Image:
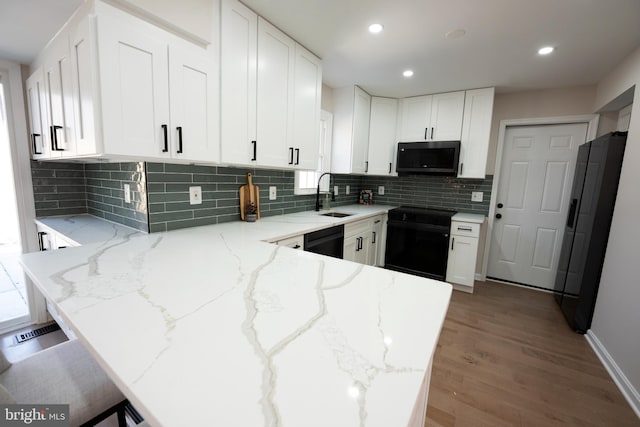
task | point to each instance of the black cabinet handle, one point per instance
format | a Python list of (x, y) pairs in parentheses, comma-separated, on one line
[(432, 132), (572, 213), (179, 129), (255, 150), (366, 166), (453, 239), (290, 155), (425, 133), (297, 247), (389, 167), (461, 168), (166, 139), (297, 156), (374, 238), (54, 138), (35, 146), (41, 240)]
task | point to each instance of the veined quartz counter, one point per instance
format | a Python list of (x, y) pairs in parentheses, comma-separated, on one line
[(211, 326), (84, 229)]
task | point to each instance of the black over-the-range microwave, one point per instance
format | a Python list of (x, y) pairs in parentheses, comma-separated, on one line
[(435, 158)]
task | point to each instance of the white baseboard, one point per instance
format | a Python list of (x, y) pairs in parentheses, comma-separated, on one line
[(625, 386), (481, 277)]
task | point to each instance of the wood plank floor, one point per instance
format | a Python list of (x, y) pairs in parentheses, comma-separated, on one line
[(506, 357)]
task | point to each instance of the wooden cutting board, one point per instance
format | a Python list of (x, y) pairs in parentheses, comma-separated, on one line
[(249, 193)]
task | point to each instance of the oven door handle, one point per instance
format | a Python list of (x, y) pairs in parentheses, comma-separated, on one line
[(404, 225)]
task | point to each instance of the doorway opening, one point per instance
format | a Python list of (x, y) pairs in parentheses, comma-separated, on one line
[(14, 307)]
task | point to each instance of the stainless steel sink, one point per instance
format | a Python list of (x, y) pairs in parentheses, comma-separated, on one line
[(336, 214)]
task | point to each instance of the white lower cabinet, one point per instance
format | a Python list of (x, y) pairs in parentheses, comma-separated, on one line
[(463, 252), (364, 241), (295, 242)]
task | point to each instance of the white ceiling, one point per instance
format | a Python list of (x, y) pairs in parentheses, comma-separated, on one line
[(499, 48)]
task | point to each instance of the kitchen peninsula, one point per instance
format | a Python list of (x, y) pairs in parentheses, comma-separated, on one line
[(214, 326)]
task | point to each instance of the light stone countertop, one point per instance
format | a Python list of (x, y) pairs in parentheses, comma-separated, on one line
[(212, 326), (84, 229), (468, 217)]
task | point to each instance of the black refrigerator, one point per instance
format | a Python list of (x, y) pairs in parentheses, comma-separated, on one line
[(593, 197)]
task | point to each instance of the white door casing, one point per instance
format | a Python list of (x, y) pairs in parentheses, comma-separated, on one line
[(537, 168)]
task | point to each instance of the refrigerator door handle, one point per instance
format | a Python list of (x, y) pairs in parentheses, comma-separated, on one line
[(572, 213)]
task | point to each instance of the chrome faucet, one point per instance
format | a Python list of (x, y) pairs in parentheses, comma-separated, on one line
[(318, 192)]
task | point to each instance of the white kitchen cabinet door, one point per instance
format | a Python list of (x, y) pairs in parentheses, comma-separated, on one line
[(193, 83), (85, 81), (446, 116), (461, 265), (135, 90), (361, 122), (37, 106), (356, 248), (59, 98), (415, 118), (238, 47), (276, 57), (476, 131), (382, 136), (306, 109), (377, 242)]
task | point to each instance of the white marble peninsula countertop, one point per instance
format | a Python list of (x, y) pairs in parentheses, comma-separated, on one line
[(83, 228), (212, 326)]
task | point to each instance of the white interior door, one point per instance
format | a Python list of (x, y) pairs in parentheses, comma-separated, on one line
[(538, 163)]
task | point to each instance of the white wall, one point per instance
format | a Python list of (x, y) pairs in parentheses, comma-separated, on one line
[(616, 322)]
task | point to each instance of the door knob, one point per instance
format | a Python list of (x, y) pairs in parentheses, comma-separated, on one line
[(498, 216), (500, 205)]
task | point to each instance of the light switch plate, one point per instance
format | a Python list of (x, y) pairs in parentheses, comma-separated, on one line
[(476, 196), (381, 190), (195, 195), (346, 191), (273, 192), (127, 193), (335, 190)]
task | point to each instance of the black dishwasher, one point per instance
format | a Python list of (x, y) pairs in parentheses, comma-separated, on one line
[(329, 241)]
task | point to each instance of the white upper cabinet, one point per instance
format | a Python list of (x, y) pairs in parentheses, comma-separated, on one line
[(270, 94), (194, 106), (276, 53), (239, 48), (37, 108), (118, 86), (307, 92), (382, 136), (351, 119), (476, 130), (134, 78), (59, 97), (432, 117)]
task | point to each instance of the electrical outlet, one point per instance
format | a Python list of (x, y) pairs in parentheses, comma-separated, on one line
[(381, 190), (476, 196), (346, 190), (272, 192), (195, 195), (335, 190), (127, 193)]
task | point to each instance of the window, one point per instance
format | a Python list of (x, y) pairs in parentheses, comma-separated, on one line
[(306, 181)]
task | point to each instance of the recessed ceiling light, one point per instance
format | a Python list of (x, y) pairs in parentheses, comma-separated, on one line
[(456, 34), (407, 73), (375, 28), (545, 50)]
